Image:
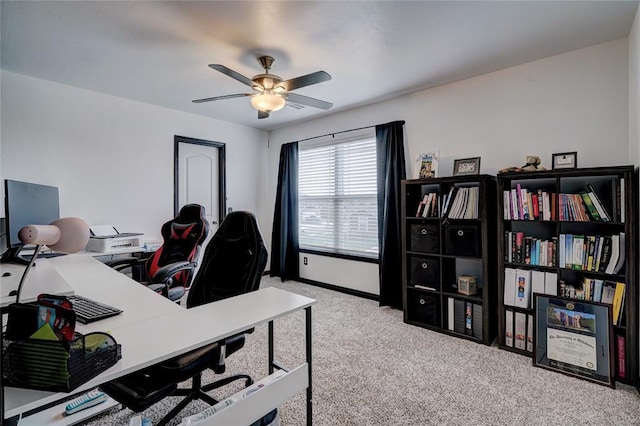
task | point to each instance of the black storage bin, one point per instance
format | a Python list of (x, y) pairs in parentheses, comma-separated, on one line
[(58, 366), (462, 240), (425, 272), (425, 238), (424, 308)]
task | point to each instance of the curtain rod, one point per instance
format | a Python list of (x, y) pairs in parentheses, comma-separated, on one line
[(346, 131)]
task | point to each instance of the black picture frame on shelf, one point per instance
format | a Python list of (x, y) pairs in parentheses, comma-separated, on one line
[(564, 160), (573, 337), (466, 166)]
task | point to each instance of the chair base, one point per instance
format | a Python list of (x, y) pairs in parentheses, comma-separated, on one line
[(197, 391)]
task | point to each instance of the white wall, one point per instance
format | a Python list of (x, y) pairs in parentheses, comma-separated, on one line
[(571, 102), (112, 158)]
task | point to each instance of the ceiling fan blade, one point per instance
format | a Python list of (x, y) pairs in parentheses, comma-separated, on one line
[(217, 98), (306, 80), (305, 100), (263, 114), (231, 73)]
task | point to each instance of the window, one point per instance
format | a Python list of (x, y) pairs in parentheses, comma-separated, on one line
[(338, 210)]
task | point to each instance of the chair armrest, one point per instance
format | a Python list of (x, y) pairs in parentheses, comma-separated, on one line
[(122, 263), (165, 273)]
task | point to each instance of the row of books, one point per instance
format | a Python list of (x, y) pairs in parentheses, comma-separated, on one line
[(429, 206), (458, 203), (520, 336), (520, 248), (521, 284), (524, 204), (595, 290), (592, 253), (464, 317)]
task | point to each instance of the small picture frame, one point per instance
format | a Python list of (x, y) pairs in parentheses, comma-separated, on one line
[(426, 165), (466, 166), (564, 160)]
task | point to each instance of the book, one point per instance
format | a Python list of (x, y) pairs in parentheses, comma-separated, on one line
[(522, 288), (509, 286), (508, 328), (537, 283), (618, 302), (520, 330), (606, 253), (468, 318), (562, 252), (530, 333), (615, 252), (477, 321), (608, 292), (597, 203), (593, 212), (621, 358), (450, 310), (459, 316), (551, 283), (578, 252), (597, 290), (621, 253)]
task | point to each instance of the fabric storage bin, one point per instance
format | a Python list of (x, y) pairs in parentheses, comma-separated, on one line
[(424, 308), (462, 240), (425, 238), (425, 272)]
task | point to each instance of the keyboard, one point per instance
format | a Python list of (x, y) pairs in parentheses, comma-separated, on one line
[(88, 310)]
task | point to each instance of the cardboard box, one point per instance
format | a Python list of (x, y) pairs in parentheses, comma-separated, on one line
[(467, 285)]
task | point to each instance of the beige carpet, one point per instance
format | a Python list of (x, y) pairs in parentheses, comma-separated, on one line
[(369, 368)]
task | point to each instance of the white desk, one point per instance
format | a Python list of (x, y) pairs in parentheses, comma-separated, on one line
[(146, 312)]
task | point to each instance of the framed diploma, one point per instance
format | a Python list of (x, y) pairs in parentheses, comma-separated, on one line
[(574, 337)]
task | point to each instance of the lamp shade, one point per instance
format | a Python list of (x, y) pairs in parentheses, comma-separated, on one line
[(65, 235), (267, 101)]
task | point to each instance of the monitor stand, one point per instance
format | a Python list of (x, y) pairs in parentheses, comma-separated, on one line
[(12, 255)]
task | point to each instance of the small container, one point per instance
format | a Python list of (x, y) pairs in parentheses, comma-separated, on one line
[(467, 285)]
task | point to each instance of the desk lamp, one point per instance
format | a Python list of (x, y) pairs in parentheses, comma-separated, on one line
[(66, 235)]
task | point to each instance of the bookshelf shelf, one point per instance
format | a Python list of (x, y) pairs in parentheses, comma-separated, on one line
[(438, 249), (585, 248)]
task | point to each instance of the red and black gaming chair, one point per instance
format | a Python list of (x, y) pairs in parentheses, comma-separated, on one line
[(169, 270)]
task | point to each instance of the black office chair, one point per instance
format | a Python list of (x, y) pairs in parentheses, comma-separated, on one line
[(169, 269), (233, 263)]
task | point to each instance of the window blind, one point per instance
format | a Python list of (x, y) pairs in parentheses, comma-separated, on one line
[(337, 197)]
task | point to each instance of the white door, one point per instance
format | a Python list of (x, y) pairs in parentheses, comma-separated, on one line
[(198, 179)]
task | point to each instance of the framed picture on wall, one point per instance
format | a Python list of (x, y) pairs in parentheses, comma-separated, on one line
[(564, 160), (426, 165), (466, 166)]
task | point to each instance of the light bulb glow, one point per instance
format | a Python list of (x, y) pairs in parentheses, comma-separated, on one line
[(267, 101)]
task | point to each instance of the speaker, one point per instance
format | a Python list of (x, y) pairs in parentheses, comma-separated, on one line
[(425, 238), (462, 240), (425, 272)]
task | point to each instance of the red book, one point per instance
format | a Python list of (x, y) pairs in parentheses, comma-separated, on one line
[(536, 208)]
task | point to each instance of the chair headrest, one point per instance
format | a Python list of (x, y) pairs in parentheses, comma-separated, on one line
[(190, 213)]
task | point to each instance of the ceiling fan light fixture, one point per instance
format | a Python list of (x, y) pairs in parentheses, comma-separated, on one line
[(267, 101)]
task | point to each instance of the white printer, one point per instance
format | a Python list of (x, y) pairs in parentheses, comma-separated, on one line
[(107, 239)]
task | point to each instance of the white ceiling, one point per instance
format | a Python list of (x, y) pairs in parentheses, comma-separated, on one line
[(157, 52)]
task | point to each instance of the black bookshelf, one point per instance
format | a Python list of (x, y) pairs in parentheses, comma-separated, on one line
[(539, 245), (440, 248)]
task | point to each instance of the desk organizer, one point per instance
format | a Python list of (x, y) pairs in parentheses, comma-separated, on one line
[(58, 366)]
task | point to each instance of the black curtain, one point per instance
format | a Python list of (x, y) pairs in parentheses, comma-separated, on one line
[(284, 238), (391, 171)]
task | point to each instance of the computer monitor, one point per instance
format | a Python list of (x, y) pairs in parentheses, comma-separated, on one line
[(26, 204)]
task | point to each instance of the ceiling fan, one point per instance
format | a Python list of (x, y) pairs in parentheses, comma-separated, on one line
[(270, 91)]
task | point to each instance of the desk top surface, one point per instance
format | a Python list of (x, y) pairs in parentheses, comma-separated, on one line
[(167, 328)]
